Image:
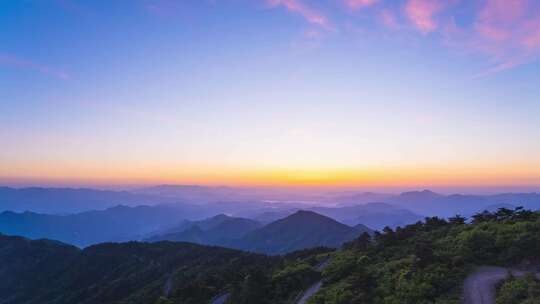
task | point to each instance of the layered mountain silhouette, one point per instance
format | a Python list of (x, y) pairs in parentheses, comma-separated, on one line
[(373, 215), (120, 223), (303, 229), (248, 203), (69, 200), (434, 204), (218, 230), (181, 221), (267, 217)]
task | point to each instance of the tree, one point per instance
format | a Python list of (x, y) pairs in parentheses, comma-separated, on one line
[(361, 243), (484, 216), (457, 220)]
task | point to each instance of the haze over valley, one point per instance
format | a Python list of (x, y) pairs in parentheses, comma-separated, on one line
[(199, 214)]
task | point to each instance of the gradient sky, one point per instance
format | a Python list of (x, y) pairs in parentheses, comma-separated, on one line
[(271, 92)]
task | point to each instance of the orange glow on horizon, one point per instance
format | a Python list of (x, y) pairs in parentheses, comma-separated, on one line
[(515, 175)]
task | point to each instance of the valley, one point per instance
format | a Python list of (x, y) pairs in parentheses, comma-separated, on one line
[(292, 260)]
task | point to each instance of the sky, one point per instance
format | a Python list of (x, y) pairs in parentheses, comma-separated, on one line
[(271, 92)]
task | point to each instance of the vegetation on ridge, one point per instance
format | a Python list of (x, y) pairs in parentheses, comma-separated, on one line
[(427, 262), (421, 263), (525, 290)]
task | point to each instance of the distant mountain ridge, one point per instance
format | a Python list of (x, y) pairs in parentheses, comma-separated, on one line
[(301, 230), (120, 223), (373, 215), (71, 200), (241, 201), (123, 223), (434, 204)]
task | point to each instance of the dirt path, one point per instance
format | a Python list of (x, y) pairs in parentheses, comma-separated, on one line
[(479, 287), (315, 287), (310, 292), (322, 265), (168, 286), (220, 299)]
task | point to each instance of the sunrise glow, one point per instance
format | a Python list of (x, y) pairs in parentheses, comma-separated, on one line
[(271, 92)]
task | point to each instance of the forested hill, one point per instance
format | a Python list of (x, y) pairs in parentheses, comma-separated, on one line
[(303, 229), (51, 272), (426, 262)]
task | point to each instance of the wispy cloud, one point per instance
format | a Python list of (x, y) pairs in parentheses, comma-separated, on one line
[(506, 31), (422, 13), (14, 61), (297, 6)]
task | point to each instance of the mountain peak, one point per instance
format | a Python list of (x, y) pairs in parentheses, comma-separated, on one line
[(305, 213), (302, 229), (220, 216), (308, 216)]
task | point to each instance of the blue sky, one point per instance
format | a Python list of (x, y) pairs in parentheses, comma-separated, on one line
[(353, 92)]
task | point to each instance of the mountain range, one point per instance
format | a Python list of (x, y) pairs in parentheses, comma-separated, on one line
[(120, 223), (434, 204), (171, 219), (249, 202), (373, 215), (301, 230), (71, 200), (218, 230), (428, 261)]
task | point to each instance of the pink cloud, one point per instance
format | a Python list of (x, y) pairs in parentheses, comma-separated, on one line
[(503, 11), (508, 31), (422, 13), (358, 4), (532, 38), (14, 61), (502, 33), (497, 17), (298, 7)]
